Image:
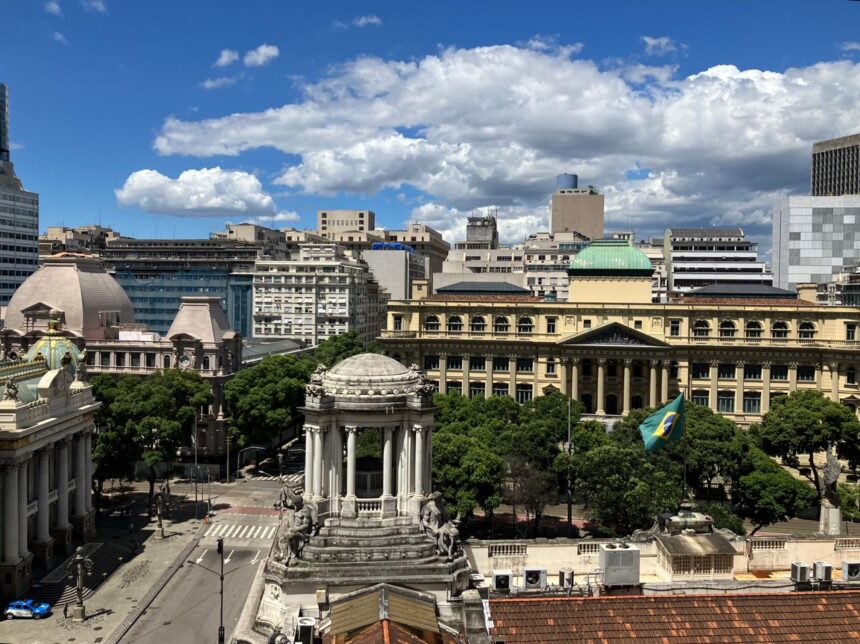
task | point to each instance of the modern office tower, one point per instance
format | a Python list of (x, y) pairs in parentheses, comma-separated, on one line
[(82, 239), (697, 257), (575, 209), (395, 266), (836, 167), (19, 216), (481, 232), (322, 293), (330, 222), (156, 273)]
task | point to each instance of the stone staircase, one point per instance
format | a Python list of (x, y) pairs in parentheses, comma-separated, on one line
[(57, 589)]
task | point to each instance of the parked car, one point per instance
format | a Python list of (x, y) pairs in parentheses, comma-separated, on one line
[(27, 608)]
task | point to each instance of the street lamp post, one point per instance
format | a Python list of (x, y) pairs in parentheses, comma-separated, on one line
[(221, 619), (569, 491)]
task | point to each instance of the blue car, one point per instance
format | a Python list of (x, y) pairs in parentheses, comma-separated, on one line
[(27, 608)]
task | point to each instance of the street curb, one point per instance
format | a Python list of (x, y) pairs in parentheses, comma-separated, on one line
[(125, 625)]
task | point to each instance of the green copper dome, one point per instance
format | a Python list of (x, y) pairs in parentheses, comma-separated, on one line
[(56, 350), (611, 257)]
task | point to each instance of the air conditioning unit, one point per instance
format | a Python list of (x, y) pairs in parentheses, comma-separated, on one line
[(800, 572), (851, 571), (619, 563), (822, 571), (503, 580), (565, 577), (534, 578), (305, 630)]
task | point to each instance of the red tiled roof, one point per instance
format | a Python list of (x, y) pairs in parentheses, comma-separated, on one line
[(392, 633), (679, 619)]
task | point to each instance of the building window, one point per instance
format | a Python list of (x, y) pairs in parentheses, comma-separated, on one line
[(478, 324), (726, 371), (674, 328), (701, 370), (167, 362), (431, 362), (586, 369), (701, 329), (728, 329), (806, 331), (500, 389), (806, 373), (454, 387), (586, 324), (637, 324), (524, 393), (501, 364), (119, 358), (477, 363), (700, 398), (752, 402), (105, 359), (673, 370), (726, 402), (851, 332), (779, 330), (550, 325), (150, 360), (501, 325), (525, 325), (455, 324), (752, 372), (779, 372), (455, 362), (476, 389), (753, 330), (525, 365), (431, 323), (851, 376), (550, 367)]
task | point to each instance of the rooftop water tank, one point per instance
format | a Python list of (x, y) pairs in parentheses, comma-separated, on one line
[(566, 181)]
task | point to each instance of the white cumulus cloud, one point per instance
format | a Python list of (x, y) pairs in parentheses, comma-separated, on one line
[(98, 6), (658, 45), (366, 21), (226, 57), (261, 55), (53, 7), (204, 192), (850, 46), (219, 82)]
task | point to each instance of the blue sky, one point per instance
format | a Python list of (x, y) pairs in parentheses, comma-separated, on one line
[(701, 113)]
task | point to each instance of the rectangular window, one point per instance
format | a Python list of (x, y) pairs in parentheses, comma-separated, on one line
[(501, 364), (586, 324), (726, 402), (120, 359), (850, 331), (752, 402), (476, 390), (675, 328), (550, 367), (726, 371), (105, 359), (752, 372), (431, 362), (779, 372), (806, 373), (524, 393), (525, 365), (586, 369), (135, 360), (851, 376), (150, 360), (455, 387), (477, 363), (455, 362), (701, 398), (398, 322), (637, 324), (550, 325), (500, 389), (701, 370)]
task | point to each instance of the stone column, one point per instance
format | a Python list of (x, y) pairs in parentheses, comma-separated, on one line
[(465, 384), (63, 484), (714, 377), (574, 378), (386, 464), (443, 373), (22, 509), (600, 403), (792, 376), (664, 382), (10, 513), (512, 384), (350, 461), (409, 462), (337, 454), (88, 468), (43, 516), (652, 384), (419, 460), (309, 461), (626, 397), (488, 371), (428, 459), (318, 462), (765, 387), (834, 381), (565, 376), (739, 389)]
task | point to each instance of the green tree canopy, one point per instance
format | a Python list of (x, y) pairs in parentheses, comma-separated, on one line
[(338, 347)]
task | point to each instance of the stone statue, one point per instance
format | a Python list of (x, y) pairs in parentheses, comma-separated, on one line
[(81, 371), (643, 536), (448, 539), (832, 469), (437, 525), (78, 568), (293, 535), (11, 390), (314, 388), (431, 517)]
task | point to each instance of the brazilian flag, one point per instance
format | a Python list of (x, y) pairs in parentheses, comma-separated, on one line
[(666, 425)]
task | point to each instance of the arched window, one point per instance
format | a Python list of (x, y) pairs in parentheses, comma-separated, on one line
[(525, 325), (702, 328), (167, 362), (455, 324), (478, 324), (501, 325), (728, 329), (806, 331), (431, 323), (753, 329), (779, 330)]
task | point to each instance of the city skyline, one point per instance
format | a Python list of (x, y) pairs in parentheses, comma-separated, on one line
[(335, 107)]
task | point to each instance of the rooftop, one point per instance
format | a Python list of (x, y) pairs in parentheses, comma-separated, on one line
[(611, 257), (705, 232), (757, 291), (482, 288)]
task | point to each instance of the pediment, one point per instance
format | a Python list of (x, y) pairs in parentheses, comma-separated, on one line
[(613, 334), (39, 307)]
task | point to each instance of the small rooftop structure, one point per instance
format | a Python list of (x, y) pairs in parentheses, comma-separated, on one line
[(201, 318), (482, 288)]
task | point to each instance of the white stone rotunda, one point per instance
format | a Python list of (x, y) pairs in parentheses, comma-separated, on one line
[(340, 536)]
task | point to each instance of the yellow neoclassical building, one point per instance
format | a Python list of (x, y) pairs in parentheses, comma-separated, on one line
[(733, 348)]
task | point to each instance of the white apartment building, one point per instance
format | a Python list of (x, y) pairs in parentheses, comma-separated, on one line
[(321, 293)]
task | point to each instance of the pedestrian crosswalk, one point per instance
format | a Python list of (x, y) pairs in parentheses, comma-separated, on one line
[(240, 532), (294, 480)]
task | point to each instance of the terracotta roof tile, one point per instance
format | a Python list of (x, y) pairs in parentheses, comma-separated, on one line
[(680, 619)]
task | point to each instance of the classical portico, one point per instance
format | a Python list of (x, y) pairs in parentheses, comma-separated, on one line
[(367, 394)]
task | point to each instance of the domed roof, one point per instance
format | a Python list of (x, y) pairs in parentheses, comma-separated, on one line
[(371, 376), (610, 257), (87, 298), (56, 350), (368, 365)]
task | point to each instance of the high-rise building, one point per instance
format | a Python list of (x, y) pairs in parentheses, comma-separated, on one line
[(395, 266), (82, 239), (575, 209), (330, 222), (19, 216), (481, 232), (836, 166)]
